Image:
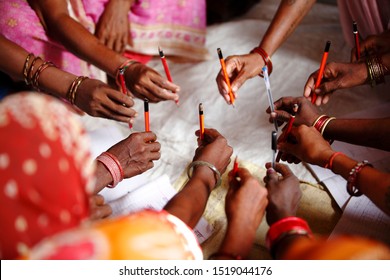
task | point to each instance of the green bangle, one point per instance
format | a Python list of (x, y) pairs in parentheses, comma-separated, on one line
[(205, 163)]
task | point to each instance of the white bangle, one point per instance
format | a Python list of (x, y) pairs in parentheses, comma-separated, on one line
[(205, 163)]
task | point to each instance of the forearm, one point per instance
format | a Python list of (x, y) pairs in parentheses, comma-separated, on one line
[(103, 177), (190, 203), (288, 16), (367, 132), (371, 182)]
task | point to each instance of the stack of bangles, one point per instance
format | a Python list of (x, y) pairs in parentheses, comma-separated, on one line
[(376, 70), (31, 77), (287, 227), (321, 122), (113, 166), (123, 67), (352, 177), (266, 58)]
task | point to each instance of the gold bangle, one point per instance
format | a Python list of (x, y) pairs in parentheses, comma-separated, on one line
[(25, 68)]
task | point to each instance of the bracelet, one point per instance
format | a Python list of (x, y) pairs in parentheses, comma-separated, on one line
[(71, 95), (351, 189), (123, 68), (283, 228), (329, 164), (41, 68), (114, 167), (326, 122), (321, 122), (224, 256), (205, 163), (266, 59), (375, 69), (30, 71), (25, 68)]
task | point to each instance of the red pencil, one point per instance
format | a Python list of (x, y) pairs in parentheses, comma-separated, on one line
[(235, 167), (201, 121), (146, 114), (227, 80), (286, 133), (356, 36), (166, 68), (123, 86), (321, 71)]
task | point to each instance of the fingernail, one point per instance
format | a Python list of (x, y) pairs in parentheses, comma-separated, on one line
[(270, 170), (273, 114), (234, 89), (317, 90)]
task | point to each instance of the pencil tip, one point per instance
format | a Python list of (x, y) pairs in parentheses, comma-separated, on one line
[(219, 53), (160, 51)]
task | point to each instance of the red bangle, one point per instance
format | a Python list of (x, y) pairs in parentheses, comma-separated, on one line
[(351, 181), (266, 58), (123, 66), (113, 166), (318, 123), (285, 227), (330, 161)]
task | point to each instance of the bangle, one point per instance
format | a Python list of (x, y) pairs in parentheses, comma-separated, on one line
[(114, 167), (329, 164), (26, 68), (283, 228), (30, 71), (266, 59), (376, 70), (224, 256), (351, 181), (321, 122), (204, 163), (326, 122), (123, 67), (71, 95), (41, 68)]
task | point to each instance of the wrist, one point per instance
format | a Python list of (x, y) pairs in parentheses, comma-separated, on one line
[(206, 172)]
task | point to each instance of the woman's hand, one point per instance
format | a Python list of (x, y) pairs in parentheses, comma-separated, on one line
[(98, 209)]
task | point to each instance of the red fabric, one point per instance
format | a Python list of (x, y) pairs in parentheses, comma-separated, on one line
[(45, 171)]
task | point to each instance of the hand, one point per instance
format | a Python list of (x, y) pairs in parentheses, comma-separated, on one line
[(137, 152), (246, 201), (308, 145), (99, 100), (378, 44), (213, 149), (239, 69), (98, 209), (336, 76), (306, 112), (144, 82), (113, 28), (284, 192)]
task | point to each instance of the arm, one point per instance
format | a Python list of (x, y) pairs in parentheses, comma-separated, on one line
[(93, 96), (189, 204), (243, 67), (140, 79), (312, 148), (245, 205)]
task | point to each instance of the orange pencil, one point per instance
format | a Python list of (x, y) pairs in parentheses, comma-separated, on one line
[(123, 86), (146, 114), (223, 66), (321, 71), (166, 68), (201, 121), (356, 37), (283, 137)]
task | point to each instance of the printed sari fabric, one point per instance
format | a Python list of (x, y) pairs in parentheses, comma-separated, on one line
[(46, 173), (371, 16), (177, 26)]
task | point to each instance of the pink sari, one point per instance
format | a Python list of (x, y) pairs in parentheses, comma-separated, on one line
[(178, 26), (372, 17)]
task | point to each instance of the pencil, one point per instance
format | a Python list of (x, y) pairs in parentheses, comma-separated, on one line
[(201, 121), (269, 93), (123, 86), (321, 71), (146, 114), (227, 80), (166, 68), (273, 146), (356, 36), (235, 167), (286, 133)]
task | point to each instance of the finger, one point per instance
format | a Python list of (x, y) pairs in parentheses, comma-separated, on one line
[(309, 86), (222, 86), (154, 147), (149, 136), (110, 42), (97, 199)]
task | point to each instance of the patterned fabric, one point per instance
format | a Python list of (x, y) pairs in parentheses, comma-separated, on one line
[(45, 171), (177, 26), (372, 17)]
